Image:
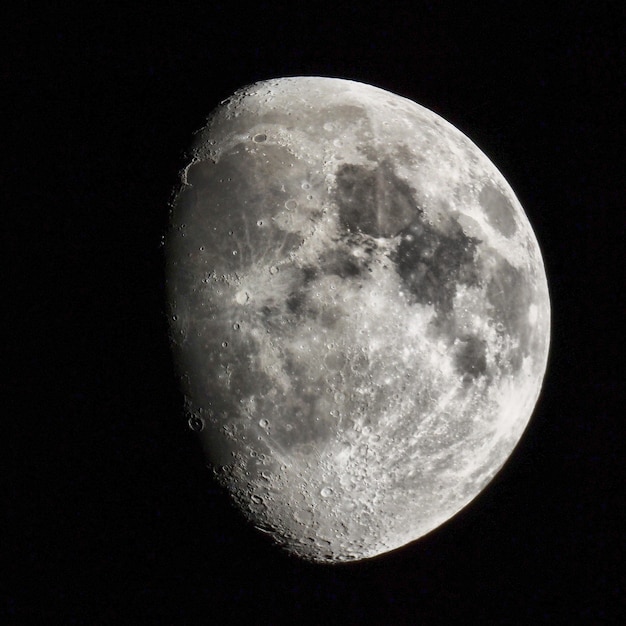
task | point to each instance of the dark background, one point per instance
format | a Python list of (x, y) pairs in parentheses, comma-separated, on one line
[(111, 514)]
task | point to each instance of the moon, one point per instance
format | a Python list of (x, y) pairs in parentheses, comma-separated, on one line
[(359, 310)]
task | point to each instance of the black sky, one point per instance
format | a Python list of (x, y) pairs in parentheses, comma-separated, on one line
[(111, 514)]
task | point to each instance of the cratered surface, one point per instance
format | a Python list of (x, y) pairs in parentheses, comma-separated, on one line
[(359, 313)]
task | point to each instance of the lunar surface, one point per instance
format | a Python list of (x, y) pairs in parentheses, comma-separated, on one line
[(359, 313)]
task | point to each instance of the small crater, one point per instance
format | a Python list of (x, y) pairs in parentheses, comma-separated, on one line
[(196, 423), (291, 205), (326, 492), (242, 297), (260, 138)]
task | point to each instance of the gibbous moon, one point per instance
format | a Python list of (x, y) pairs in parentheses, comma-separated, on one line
[(359, 313)]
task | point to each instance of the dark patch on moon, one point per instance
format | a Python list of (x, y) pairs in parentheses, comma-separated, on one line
[(309, 273), (404, 155), (510, 295), (498, 209), (431, 263), (296, 301), (374, 202), (471, 358), (341, 263), (338, 262)]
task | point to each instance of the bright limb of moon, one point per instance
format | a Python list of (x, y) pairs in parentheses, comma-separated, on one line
[(360, 313)]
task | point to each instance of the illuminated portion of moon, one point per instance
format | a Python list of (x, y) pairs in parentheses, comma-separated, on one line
[(360, 314)]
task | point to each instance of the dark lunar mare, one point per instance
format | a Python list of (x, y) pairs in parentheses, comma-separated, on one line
[(471, 359), (373, 201), (430, 263)]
